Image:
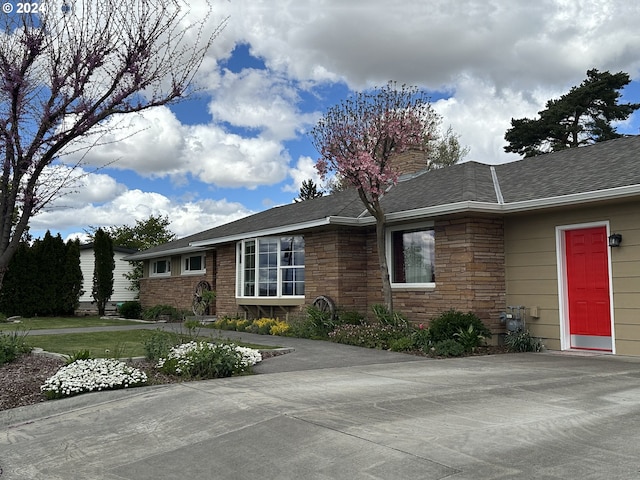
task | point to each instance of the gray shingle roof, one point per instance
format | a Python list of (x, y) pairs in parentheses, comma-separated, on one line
[(343, 204), (601, 167)]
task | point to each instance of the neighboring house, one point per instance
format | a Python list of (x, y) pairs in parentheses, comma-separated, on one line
[(472, 237), (121, 292)]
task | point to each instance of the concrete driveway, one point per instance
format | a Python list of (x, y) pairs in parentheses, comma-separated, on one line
[(348, 414)]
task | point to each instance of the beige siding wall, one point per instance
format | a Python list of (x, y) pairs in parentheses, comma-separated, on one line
[(532, 273)]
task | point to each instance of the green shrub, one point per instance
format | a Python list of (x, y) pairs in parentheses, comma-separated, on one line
[(420, 337), (12, 345), (158, 311), (448, 324), (193, 328), (350, 317), (402, 344), (469, 338), (262, 326), (223, 323), (131, 309), (447, 348), (202, 360), (383, 316), (522, 341), (300, 326), (321, 323), (158, 343)]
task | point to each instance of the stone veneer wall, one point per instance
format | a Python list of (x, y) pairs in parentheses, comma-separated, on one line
[(336, 266), (343, 265), (226, 281), (175, 290), (336, 262), (470, 272)]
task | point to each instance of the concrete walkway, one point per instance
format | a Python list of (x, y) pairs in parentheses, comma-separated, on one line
[(330, 411)]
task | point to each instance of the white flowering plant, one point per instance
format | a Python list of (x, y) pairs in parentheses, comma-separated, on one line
[(200, 360), (92, 375)]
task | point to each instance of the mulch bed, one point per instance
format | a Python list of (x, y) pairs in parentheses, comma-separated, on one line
[(20, 379)]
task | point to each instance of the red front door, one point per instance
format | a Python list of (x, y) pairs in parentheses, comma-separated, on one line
[(588, 299)]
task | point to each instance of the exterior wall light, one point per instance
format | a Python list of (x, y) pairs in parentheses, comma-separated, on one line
[(615, 239)]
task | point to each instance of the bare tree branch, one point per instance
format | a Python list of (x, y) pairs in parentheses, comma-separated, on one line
[(64, 73)]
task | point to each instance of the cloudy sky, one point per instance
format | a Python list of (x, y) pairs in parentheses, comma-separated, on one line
[(242, 145)]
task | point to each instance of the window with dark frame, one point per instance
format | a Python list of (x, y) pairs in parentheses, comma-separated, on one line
[(194, 263), (413, 256)]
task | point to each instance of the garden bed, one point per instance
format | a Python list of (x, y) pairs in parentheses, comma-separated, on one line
[(20, 380)]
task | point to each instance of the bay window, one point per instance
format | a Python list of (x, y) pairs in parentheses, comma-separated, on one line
[(271, 267)]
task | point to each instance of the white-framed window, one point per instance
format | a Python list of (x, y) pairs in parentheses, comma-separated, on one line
[(271, 267), (193, 264), (411, 256), (160, 267)]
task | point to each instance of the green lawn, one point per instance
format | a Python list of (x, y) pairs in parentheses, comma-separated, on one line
[(123, 344), (40, 323), (117, 344)]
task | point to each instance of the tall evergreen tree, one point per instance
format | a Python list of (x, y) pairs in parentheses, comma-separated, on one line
[(71, 283), (103, 270), (50, 253), (43, 279), (143, 235), (308, 190), (19, 292), (581, 117)]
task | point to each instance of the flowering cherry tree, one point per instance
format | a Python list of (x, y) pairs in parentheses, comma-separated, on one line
[(65, 68), (358, 139)]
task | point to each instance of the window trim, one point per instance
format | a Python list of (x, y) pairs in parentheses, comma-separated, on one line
[(152, 268), (389, 246), (240, 270), (185, 271)]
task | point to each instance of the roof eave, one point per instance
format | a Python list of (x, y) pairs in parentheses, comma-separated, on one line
[(136, 257), (263, 233), (618, 193)]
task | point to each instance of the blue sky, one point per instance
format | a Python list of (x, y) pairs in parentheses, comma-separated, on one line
[(241, 145)]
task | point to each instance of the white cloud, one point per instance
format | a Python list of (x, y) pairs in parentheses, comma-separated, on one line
[(229, 160), (260, 100), (498, 59), (130, 206), (481, 115), (155, 144), (507, 42), (304, 170)]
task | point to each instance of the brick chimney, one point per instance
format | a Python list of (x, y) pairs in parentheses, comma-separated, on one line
[(411, 161)]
